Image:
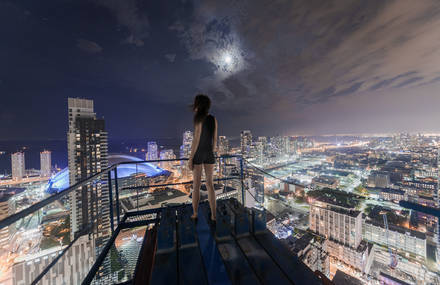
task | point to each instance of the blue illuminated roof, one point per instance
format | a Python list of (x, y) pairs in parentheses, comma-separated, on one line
[(60, 181)]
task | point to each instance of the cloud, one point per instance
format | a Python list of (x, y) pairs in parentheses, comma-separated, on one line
[(131, 16), (307, 52), (170, 57), (88, 46)]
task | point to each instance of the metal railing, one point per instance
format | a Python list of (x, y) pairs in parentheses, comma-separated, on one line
[(117, 202), (106, 205)]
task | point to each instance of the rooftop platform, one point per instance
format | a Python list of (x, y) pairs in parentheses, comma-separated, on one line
[(237, 250)]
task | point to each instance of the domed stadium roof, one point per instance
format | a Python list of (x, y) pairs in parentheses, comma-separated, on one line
[(60, 181)]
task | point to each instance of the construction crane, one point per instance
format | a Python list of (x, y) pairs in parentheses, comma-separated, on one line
[(393, 257)]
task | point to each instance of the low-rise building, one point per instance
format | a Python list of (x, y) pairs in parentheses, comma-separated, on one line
[(398, 237), (354, 257), (379, 179), (392, 194), (325, 181)]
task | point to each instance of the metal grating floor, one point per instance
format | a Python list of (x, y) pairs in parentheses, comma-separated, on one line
[(238, 250)]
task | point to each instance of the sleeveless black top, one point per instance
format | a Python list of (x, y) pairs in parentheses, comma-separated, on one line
[(204, 153)]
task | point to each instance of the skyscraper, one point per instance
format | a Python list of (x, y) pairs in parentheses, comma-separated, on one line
[(245, 142), (185, 149), (167, 154), (223, 145), (45, 163), (286, 145), (259, 152), (152, 151), (87, 151), (18, 166)]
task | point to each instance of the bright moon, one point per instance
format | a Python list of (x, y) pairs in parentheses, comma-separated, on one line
[(228, 59)]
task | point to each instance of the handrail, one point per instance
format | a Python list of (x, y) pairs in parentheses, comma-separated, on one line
[(103, 254), (92, 272), (121, 224), (35, 207), (173, 184)]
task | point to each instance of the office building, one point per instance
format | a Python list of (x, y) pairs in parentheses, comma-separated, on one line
[(342, 227), (166, 154), (18, 165), (185, 149), (245, 142), (45, 163), (259, 156), (152, 151), (340, 224), (87, 151), (223, 145), (286, 145)]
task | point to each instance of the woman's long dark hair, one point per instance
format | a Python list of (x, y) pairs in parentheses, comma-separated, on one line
[(201, 106)]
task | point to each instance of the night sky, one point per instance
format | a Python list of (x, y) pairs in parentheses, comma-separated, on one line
[(275, 67)]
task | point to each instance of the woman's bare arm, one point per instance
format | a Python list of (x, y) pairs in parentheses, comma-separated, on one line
[(196, 139), (214, 143)]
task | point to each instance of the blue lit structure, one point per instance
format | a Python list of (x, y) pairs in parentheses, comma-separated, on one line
[(60, 181)]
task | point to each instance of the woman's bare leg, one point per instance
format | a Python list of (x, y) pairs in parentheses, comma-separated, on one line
[(209, 170), (197, 176)]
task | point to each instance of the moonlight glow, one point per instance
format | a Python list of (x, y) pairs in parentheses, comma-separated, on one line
[(228, 59)]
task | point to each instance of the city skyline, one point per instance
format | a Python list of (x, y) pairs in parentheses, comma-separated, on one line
[(324, 201), (324, 167), (348, 67)]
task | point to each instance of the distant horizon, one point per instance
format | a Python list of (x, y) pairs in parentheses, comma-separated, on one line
[(237, 137)]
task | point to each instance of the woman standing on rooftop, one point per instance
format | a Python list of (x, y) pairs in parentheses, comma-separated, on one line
[(203, 147)]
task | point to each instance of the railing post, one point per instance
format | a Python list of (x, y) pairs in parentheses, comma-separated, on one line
[(241, 179), (110, 196), (117, 194), (137, 191)]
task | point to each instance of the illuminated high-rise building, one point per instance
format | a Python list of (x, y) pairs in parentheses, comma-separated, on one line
[(87, 151), (45, 163), (262, 148), (342, 227), (166, 154), (187, 137), (286, 145), (18, 165), (245, 142), (185, 149), (152, 151), (259, 153), (263, 141), (223, 145)]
